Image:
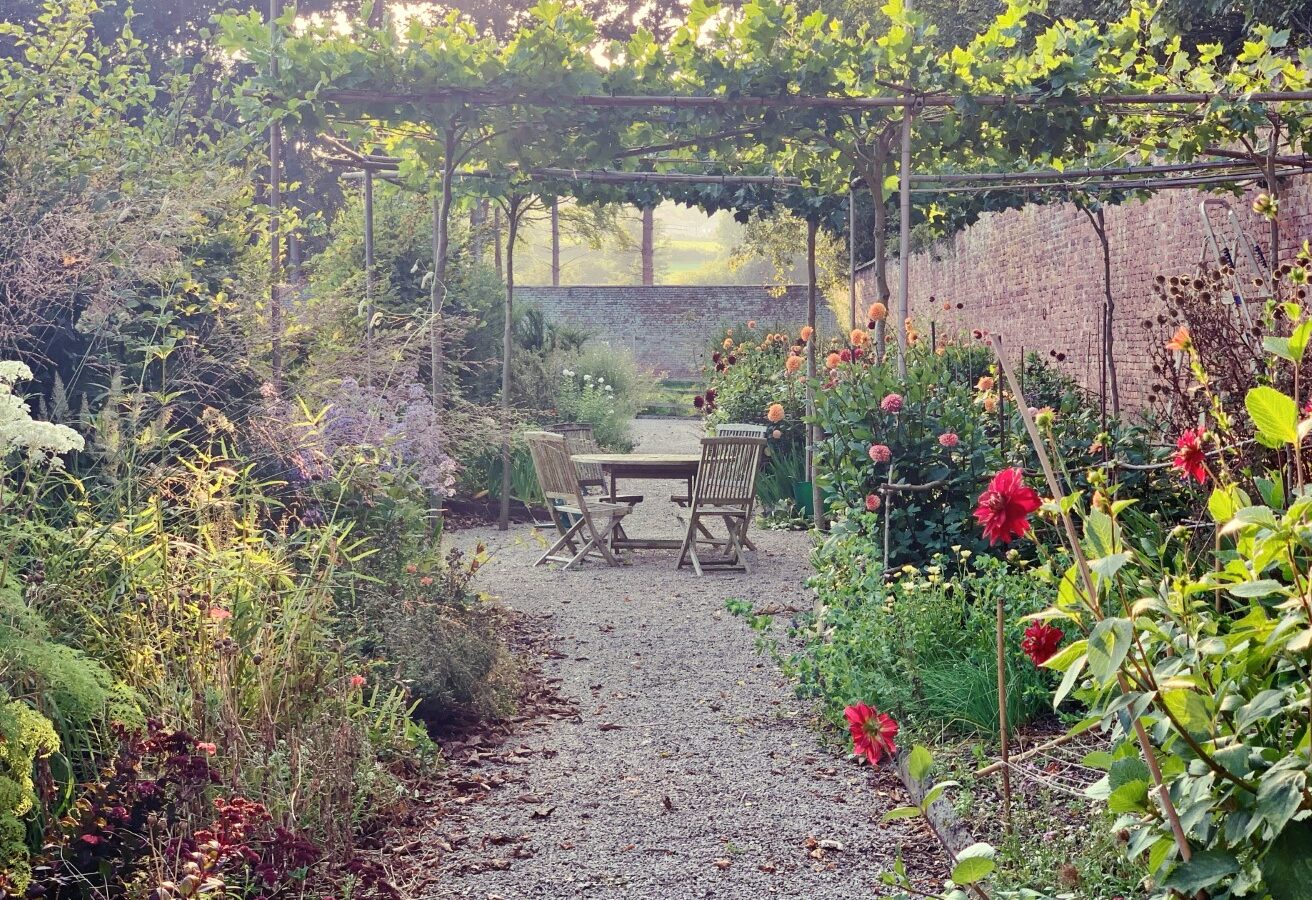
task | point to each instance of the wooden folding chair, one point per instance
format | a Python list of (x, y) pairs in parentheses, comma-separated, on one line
[(580, 439), (725, 489), (729, 429), (572, 511)]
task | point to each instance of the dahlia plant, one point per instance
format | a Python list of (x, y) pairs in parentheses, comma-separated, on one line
[(1193, 650)]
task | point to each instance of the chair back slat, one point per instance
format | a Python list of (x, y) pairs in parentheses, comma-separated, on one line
[(726, 475), (580, 439), (556, 473), (740, 429)]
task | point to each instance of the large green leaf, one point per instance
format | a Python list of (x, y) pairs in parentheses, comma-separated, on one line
[(1108, 645), (1274, 414), (974, 864), (1287, 866), (1202, 871)]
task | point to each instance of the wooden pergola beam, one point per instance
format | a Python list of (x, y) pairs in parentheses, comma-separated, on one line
[(621, 101)]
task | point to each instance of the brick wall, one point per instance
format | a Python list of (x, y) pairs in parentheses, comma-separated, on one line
[(668, 327), (1035, 275)]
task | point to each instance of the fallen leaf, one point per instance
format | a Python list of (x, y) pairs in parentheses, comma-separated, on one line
[(768, 867), (543, 811), (667, 803), (609, 726), (830, 844), (723, 863)]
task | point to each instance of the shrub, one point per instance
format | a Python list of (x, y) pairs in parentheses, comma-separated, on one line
[(943, 431), (921, 642)]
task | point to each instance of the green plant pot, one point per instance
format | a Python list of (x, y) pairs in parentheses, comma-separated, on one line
[(802, 497)]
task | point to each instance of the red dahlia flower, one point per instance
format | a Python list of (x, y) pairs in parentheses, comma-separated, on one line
[(873, 502), (1005, 506), (1188, 456), (872, 732), (1041, 641), (891, 403)]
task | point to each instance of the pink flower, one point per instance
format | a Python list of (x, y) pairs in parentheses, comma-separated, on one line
[(872, 732), (357, 681), (948, 439), (873, 502), (880, 453), (218, 613), (426, 581), (891, 404), (207, 747)]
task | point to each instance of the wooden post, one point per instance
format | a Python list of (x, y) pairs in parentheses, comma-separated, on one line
[(369, 275), (812, 430), (507, 332), (648, 245), (275, 216), (904, 240), (1002, 715), (555, 242)]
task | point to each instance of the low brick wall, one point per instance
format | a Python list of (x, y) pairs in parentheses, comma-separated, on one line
[(1035, 275), (668, 327)]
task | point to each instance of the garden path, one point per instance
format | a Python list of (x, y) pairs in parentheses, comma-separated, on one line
[(691, 769)]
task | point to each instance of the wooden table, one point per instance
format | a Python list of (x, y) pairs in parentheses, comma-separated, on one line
[(647, 466)]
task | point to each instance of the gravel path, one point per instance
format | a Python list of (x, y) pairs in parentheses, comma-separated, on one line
[(691, 770)]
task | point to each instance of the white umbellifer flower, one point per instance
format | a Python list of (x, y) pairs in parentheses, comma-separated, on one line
[(587, 378), (19, 431)]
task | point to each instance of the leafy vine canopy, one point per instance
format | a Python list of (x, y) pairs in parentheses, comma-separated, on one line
[(445, 99)]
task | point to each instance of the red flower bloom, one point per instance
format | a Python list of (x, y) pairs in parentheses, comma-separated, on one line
[(892, 403), (845, 355), (872, 732), (873, 502), (1005, 506), (1041, 641), (1188, 456)]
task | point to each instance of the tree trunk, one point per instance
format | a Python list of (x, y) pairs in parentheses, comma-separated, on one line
[(874, 178), (275, 222), (369, 276), (478, 231), (648, 245), (441, 251), (496, 238), (1109, 316), (555, 243), (904, 243), (507, 332), (812, 431)]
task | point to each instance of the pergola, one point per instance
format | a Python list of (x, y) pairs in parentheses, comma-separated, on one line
[(1223, 168)]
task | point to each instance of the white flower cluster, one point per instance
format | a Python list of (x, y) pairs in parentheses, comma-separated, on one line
[(18, 430)]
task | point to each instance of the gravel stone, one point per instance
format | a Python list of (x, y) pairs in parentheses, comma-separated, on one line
[(694, 771)]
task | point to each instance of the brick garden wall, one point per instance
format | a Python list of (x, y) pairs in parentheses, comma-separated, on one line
[(1034, 275), (668, 327)]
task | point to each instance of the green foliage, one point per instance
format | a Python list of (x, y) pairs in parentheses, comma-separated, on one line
[(921, 643), (1208, 646), (953, 392), (26, 737)]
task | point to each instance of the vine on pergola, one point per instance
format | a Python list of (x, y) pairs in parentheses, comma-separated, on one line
[(797, 107)]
